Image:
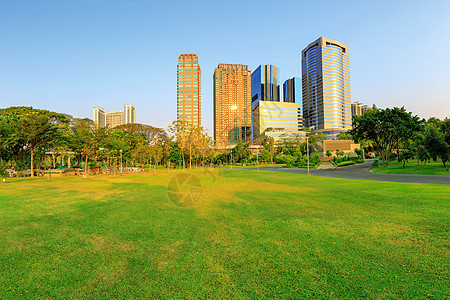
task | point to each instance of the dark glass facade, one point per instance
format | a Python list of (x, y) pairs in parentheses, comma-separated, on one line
[(265, 84), (292, 90)]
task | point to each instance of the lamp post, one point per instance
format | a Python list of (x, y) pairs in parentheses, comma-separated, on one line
[(257, 155), (121, 169), (231, 162), (234, 108), (307, 150)]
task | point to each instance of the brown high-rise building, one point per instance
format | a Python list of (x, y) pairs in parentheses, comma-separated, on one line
[(358, 109), (189, 89), (232, 104)]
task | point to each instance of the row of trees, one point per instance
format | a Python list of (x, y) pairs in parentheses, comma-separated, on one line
[(396, 130), (27, 134)]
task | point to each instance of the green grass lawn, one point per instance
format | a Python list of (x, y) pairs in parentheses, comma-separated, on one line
[(250, 234), (429, 168)]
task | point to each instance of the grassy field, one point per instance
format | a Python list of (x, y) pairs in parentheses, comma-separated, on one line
[(430, 168), (247, 234)]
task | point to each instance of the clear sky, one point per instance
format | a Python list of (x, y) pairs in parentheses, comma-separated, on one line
[(69, 56)]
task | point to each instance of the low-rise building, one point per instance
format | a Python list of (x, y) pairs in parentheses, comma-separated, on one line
[(275, 118)]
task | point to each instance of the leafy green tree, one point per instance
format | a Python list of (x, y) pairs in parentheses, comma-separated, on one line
[(436, 145), (359, 152), (85, 141), (385, 128), (265, 155), (345, 135), (268, 144), (3, 167), (36, 131), (140, 153)]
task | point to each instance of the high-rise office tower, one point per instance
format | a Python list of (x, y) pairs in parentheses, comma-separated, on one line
[(292, 90), (326, 86), (189, 89), (114, 118), (129, 112), (265, 84), (358, 109), (232, 104), (98, 116)]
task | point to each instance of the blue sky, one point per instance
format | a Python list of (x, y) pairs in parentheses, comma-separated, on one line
[(69, 56)]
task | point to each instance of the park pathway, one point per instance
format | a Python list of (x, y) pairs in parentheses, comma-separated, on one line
[(362, 172)]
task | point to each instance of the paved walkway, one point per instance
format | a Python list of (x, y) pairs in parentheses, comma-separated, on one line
[(362, 172)]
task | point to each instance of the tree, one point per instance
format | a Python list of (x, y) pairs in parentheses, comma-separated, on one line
[(265, 155), (436, 145), (359, 152), (141, 152), (344, 135), (3, 166), (84, 141), (180, 129), (269, 145), (36, 131), (385, 128)]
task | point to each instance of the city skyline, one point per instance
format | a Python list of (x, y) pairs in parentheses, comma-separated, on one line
[(113, 118), (69, 55)]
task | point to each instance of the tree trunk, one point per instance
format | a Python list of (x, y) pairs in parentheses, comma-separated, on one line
[(86, 166), (445, 165), (184, 163), (32, 158), (190, 157), (418, 165)]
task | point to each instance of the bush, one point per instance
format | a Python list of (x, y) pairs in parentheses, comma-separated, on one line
[(345, 163), (3, 167), (375, 163), (280, 159), (357, 160)]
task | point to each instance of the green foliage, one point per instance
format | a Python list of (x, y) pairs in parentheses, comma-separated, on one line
[(3, 167), (375, 163), (436, 144), (344, 163), (241, 152), (329, 153), (359, 152), (268, 148), (339, 152), (385, 128), (344, 136), (265, 156)]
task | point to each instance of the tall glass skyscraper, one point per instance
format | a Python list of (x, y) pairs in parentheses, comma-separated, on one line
[(292, 90), (265, 84), (189, 89), (326, 85)]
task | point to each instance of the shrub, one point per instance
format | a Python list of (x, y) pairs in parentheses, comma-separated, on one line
[(280, 159), (345, 163), (357, 159), (375, 163)]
